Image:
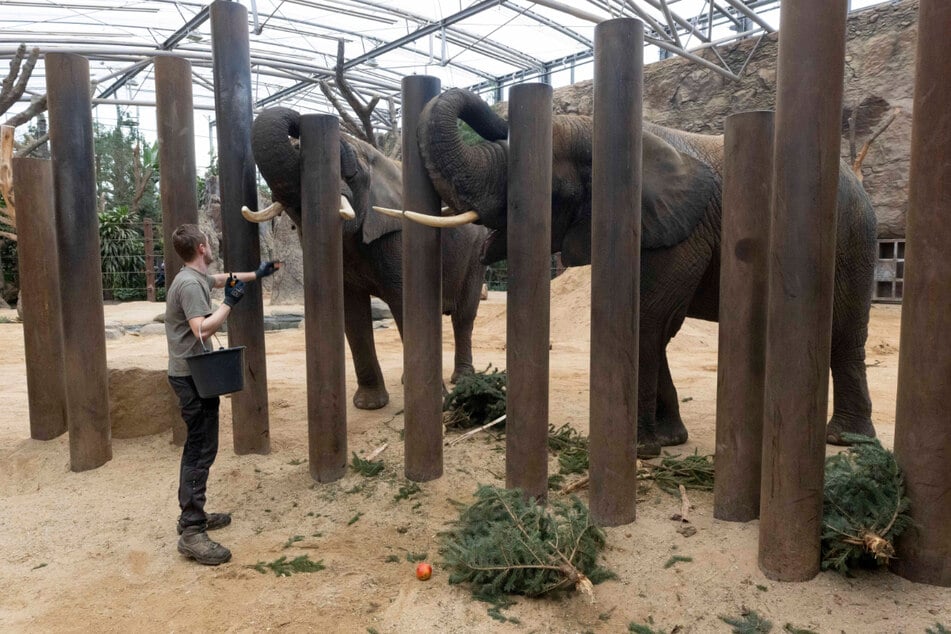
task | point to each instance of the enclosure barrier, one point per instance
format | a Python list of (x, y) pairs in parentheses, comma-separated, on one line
[(802, 257), (744, 246), (422, 298), (923, 418), (528, 299), (40, 298), (615, 268), (175, 120), (322, 245), (241, 247), (77, 246)]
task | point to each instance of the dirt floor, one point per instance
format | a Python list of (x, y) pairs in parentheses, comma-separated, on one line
[(95, 551)]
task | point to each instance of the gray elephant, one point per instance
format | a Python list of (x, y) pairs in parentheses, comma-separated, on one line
[(372, 244), (680, 247)]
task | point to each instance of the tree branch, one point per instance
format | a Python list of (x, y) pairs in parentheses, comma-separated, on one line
[(9, 93), (348, 122), (363, 111), (36, 107), (857, 164)]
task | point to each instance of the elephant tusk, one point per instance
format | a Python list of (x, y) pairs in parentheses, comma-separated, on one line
[(274, 210), (346, 210), (440, 222)]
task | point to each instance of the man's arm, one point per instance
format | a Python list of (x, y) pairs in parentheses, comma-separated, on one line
[(266, 269), (205, 327)]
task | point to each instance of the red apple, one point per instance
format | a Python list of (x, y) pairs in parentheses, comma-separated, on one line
[(423, 571)]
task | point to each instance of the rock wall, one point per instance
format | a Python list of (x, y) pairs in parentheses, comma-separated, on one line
[(879, 77)]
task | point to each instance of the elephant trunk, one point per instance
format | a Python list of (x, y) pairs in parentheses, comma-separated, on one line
[(277, 158), (468, 177)]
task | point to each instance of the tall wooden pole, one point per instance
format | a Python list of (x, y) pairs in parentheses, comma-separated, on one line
[(529, 265), (175, 119), (240, 245), (40, 296), (422, 298), (744, 246), (80, 267), (802, 263), (615, 268), (923, 415), (322, 241)]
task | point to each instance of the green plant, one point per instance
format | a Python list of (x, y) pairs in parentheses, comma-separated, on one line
[(694, 472), (368, 468), (476, 399), (748, 623), (283, 568), (122, 251), (675, 559)]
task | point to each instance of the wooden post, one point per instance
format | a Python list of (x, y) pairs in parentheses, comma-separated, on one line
[(923, 416), (240, 244), (149, 260), (176, 143), (40, 296), (80, 266), (744, 246), (615, 268), (322, 242), (422, 298), (802, 263), (529, 262)]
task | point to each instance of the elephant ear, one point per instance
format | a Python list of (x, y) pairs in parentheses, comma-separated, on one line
[(677, 190)]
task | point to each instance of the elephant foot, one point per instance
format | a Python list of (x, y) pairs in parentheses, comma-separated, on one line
[(459, 372), (839, 425), (647, 445), (370, 397), (671, 432)]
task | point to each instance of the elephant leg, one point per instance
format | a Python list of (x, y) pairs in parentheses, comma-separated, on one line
[(648, 445), (852, 406), (670, 426), (463, 318), (371, 392)]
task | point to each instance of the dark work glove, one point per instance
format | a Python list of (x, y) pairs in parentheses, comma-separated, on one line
[(267, 268), (234, 291)]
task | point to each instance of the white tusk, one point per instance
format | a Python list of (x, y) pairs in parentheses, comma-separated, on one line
[(440, 222), (346, 210), (275, 209)]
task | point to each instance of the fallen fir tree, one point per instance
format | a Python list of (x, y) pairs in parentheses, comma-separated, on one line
[(505, 544), (476, 399), (864, 506)]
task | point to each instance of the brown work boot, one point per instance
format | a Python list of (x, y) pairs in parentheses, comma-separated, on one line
[(215, 521), (198, 546)]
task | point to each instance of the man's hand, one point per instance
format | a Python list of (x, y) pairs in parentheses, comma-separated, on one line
[(234, 291), (267, 268)]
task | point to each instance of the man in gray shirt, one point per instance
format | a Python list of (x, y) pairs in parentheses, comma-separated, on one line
[(190, 321)]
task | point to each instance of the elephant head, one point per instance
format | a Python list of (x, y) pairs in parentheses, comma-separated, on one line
[(367, 177), (676, 187)]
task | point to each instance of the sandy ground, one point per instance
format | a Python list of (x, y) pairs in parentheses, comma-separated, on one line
[(95, 551)]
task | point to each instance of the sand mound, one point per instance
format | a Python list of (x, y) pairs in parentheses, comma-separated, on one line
[(142, 403)]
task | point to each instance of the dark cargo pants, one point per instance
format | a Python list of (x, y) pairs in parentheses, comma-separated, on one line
[(201, 447)]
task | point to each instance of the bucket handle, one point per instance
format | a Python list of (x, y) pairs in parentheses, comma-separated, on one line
[(203, 340)]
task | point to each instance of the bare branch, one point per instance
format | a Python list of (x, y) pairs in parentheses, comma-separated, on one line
[(9, 93), (363, 111), (352, 126), (6, 174), (857, 164), (36, 107), (852, 118), (37, 142)]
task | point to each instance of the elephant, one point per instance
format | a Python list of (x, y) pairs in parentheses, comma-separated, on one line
[(372, 244), (680, 243)]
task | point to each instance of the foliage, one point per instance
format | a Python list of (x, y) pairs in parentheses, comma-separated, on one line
[(506, 544), (676, 559), (122, 251), (748, 623), (644, 628), (368, 468), (694, 472), (284, 568), (118, 163), (864, 506), (571, 447), (937, 629), (476, 399), (407, 491)]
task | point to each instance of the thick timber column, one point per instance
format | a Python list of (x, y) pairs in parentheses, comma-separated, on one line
[(923, 415), (615, 268), (422, 298), (175, 119), (744, 245), (40, 295), (529, 265), (322, 241), (801, 268), (240, 245), (80, 267)]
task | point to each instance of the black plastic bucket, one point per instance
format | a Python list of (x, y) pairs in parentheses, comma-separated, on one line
[(218, 372)]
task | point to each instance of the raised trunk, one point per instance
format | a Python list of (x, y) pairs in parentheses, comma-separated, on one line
[(467, 177), (277, 158)]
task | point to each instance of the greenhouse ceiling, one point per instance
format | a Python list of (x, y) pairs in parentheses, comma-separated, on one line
[(486, 45)]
